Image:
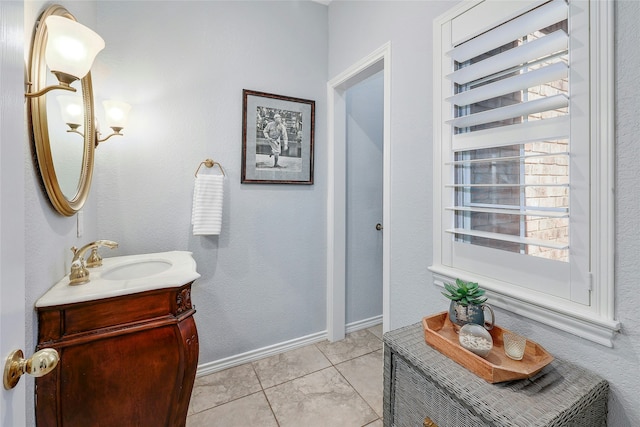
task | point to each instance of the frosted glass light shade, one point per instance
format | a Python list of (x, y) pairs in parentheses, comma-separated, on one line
[(72, 109), (71, 47), (116, 113)]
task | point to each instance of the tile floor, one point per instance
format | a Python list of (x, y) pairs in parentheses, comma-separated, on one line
[(325, 384)]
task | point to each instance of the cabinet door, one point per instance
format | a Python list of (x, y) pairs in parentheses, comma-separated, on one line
[(135, 379)]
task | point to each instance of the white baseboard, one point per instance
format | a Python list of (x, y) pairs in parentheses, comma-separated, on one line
[(363, 324), (261, 353), (253, 355)]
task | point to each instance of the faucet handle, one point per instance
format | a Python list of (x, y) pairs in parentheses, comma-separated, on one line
[(94, 259), (79, 274)]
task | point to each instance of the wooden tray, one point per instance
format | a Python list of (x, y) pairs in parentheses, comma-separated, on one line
[(496, 366)]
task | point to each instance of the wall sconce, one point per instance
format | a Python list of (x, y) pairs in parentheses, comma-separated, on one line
[(73, 115), (66, 48), (72, 111), (69, 52), (117, 113)]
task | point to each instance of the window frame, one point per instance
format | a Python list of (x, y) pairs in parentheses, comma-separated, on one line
[(594, 321)]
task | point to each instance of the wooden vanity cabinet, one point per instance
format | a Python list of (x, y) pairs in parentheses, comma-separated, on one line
[(129, 360)]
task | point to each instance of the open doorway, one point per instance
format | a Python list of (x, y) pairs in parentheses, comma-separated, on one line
[(364, 233), (376, 62)]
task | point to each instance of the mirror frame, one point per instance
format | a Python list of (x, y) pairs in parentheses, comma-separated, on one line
[(37, 112)]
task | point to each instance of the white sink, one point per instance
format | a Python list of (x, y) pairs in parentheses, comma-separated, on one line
[(126, 275), (136, 269)]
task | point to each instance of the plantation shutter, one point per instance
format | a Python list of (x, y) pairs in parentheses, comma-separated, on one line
[(510, 127)]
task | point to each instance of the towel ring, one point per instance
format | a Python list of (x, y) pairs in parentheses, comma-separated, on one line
[(210, 163)]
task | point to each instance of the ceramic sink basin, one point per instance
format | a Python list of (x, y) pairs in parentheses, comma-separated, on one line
[(136, 269), (126, 275)]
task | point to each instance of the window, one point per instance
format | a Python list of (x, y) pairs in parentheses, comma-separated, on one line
[(522, 155)]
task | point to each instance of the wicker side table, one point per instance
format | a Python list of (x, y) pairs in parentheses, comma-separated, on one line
[(424, 387)]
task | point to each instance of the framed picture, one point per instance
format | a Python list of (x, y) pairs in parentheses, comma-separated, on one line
[(277, 139)]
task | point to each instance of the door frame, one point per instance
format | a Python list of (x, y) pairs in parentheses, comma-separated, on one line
[(379, 60)]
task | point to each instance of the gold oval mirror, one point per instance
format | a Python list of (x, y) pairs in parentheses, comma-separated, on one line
[(65, 160)]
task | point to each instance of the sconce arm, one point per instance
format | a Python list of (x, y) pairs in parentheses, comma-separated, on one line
[(48, 89), (116, 131), (75, 131)]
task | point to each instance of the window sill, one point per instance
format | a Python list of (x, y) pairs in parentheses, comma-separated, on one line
[(585, 325)]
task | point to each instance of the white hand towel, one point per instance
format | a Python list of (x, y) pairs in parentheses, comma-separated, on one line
[(206, 216)]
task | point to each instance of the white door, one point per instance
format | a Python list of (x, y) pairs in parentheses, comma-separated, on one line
[(12, 253), (364, 146)]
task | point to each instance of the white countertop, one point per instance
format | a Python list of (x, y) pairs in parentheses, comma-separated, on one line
[(181, 271)]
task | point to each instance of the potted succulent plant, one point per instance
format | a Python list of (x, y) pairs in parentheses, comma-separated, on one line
[(467, 304)]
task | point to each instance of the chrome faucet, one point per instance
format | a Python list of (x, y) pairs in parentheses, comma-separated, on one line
[(79, 273)]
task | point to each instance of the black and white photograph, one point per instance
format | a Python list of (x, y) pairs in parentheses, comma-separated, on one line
[(277, 139)]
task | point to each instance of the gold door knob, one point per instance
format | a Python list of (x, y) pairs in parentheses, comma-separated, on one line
[(40, 364)]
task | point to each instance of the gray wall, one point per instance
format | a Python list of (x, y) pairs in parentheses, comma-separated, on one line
[(357, 28), (183, 66)]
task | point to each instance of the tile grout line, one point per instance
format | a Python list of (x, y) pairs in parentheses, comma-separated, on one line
[(224, 403), (352, 386), (265, 394), (351, 358), (360, 395), (334, 365)]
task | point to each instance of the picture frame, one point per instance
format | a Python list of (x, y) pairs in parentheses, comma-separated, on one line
[(277, 139)]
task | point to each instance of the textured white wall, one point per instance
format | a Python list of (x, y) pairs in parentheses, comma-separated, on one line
[(183, 66), (357, 28)]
